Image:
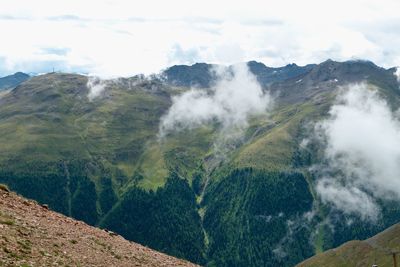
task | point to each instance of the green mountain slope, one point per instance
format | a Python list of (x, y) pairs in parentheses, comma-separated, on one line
[(375, 250), (87, 158), (103, 162)]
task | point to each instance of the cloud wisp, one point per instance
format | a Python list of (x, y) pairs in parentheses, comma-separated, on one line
[(235, 97), (96, 86), (361, 141), (397, 74)]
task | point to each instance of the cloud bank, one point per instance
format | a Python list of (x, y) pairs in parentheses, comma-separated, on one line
[(235, 97), (362, 153)]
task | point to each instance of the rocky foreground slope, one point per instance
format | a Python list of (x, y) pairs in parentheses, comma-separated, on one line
[(32, 235)]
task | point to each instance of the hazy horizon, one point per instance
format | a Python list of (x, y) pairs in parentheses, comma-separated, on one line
[(123, 38)]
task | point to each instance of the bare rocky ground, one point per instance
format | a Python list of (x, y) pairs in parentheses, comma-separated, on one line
[(32, 235)]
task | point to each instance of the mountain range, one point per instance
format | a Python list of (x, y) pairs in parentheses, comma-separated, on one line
[(217, 190)]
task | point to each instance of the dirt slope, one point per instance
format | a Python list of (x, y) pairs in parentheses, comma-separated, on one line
[(32, 235)]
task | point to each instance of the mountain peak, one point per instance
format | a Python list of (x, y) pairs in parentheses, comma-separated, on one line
[(197, 74), (291, 65), (19, 73), (11, 81)]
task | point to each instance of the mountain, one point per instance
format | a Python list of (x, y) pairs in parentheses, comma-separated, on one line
[(377, 250), (11, 81), (330, 75), (199, 74), (203, 75), (33, 235), (267, 75), (102, 161)]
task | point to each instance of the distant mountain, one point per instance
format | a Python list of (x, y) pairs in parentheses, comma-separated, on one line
[(329, 75), (199, 75), (32, 235), (11, 81), (291, 83), (375, 250), (267, 75), (203, 75), (102, 161)]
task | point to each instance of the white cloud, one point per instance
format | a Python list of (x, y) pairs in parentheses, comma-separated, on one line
[(397, 73), (124, 38), (362, 138), (235, 97), (349, 199), (96, 86)]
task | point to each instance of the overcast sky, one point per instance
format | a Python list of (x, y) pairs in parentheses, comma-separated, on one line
[(122, 38)]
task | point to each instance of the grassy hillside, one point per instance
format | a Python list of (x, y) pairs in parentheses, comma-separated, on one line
[(274, 143), (87, 158), (50, 119), (375, 250)]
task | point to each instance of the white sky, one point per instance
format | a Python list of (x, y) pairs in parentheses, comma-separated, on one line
[(122, 38)]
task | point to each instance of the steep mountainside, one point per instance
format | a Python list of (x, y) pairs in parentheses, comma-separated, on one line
[(377, 250), (11, 81), (32, 235), (102, 161)]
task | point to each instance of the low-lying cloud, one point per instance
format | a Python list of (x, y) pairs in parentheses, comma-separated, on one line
[(347, 198), (235, 97), (96, 86), (397, 74), (362, 153)]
